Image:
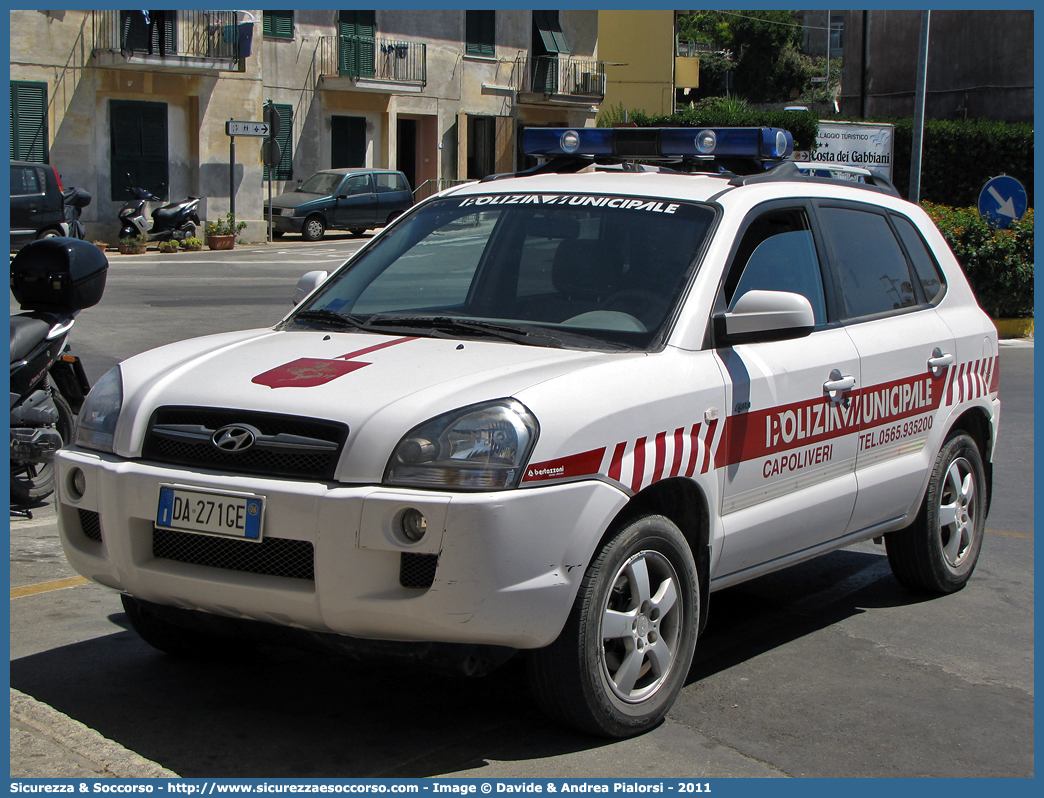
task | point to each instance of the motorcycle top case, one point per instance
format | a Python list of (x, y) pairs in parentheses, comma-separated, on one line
[(58, 275)]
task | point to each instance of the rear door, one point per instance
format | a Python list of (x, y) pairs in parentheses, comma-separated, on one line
[(393, 195), (905, 353), (790, 436)]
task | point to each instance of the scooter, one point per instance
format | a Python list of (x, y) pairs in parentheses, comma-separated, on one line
[(176, 221), (52, 280), (74, 201)]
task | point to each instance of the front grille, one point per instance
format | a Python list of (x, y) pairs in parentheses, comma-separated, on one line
[(271, 557), (300, 460), (90, 523), (417, 570)]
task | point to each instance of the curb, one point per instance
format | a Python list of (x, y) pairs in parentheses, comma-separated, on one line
[(48, 744)]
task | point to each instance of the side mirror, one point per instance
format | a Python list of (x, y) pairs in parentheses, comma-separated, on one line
[(308, 283), (764, 316)]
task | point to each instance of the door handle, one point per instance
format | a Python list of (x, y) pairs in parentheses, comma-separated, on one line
[(838, 384), (938, 361)]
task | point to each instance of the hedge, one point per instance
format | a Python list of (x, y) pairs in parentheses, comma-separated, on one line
[(998, 263), (958, 157)]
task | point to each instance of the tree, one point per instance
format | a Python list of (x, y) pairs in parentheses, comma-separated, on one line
[(762, 44)]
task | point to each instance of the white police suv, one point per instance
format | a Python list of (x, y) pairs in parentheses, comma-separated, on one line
[(553, 412)]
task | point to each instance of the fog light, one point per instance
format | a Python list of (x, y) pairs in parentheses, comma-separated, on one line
[(413, 524), (77, 484)]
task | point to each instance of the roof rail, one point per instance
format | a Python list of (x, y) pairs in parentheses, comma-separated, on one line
[(813, 172)]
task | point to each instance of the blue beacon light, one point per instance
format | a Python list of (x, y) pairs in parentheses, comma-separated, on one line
[(762, 144)]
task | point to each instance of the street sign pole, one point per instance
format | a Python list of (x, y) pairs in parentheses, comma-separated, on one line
[(232, 175)]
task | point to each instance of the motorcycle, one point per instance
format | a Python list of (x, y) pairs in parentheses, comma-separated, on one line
[(52, 279), (175, 221)]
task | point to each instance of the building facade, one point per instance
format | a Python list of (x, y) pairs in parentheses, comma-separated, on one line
[(980, 64), (114, 98)]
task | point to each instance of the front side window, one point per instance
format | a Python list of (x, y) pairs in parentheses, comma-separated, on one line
[(777, 253), (357, 184), (871, 267), (548, 270)]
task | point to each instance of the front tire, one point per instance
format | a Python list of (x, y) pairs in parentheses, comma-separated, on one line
[(939, 551), (314, 228), (34, 482), (625, 651)]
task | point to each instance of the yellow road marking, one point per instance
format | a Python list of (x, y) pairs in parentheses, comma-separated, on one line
[(1022, 535), (46, 587)]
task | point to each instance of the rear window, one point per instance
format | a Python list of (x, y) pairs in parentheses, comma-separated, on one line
[(593, 268)]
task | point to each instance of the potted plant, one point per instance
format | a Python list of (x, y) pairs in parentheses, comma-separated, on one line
[(192, 244), (168, 246), (102, 245), (222, 234), (135, 245)]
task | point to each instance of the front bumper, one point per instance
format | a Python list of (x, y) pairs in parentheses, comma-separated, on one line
[(286, 224), (508, 563)]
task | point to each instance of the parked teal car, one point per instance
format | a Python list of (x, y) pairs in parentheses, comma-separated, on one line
[(356, 200)]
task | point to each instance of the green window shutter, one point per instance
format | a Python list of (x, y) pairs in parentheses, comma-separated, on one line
[(278, 24), (480, 32), (357, 31), (285, 169), (138, 147), (347, 141), (29, 121)]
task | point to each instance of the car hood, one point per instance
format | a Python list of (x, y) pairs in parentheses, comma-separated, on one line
[(380, 386), (294, 198)]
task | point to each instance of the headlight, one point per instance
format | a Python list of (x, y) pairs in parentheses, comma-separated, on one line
[(481, 447), (101, 409)]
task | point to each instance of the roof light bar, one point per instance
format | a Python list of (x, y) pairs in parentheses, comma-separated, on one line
[(755, 143)]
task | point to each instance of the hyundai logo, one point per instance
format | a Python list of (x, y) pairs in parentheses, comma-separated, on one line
[(235, 437)]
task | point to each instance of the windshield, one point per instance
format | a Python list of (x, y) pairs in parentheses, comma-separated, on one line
[(579, 271), (322, 183)]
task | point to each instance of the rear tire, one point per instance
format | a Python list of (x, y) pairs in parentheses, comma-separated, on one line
[(34, 482), (314, 229), (625, 651), (938, 552)]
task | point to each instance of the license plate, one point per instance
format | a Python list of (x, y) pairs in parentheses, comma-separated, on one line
[(213, 512)]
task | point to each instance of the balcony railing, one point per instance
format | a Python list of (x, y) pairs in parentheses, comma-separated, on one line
[(373, 58), (563, 76), (210, 35)]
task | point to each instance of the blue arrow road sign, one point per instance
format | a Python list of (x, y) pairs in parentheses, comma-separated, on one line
[(1002, 202)]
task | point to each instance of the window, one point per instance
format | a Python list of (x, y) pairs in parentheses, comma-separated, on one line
[(278, 24), (25, 181), (347, 141), (285, 170), (28, 121), (390, 181), (358, 45), (137, 147), (357, 184), (778, 253), (932, 282), (871, 267), (480, 29)]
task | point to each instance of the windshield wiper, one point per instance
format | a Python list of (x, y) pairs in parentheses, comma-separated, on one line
[(531, 335), (330, 317)]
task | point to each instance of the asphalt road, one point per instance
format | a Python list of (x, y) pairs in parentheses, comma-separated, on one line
[(829, 669)]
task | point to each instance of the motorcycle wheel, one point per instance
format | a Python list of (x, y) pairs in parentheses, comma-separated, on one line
[(34, 482)]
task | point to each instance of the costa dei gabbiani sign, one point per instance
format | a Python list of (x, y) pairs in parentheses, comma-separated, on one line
[(853, 144)]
